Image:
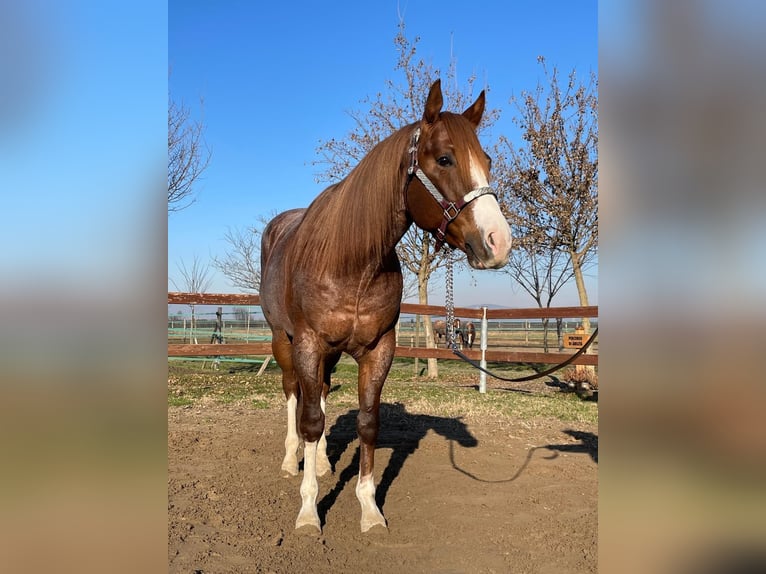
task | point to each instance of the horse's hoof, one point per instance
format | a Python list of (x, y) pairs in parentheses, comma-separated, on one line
[(323, 467), (369, 524), (308, 525), (289, 469)]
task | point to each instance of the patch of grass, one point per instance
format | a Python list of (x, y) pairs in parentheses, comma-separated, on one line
[(454, 394), (180, 401), (261, 404), (187, 383)]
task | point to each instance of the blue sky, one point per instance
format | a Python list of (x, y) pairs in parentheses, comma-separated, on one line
[(278, 78)]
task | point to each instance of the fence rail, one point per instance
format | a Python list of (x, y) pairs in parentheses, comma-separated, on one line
[(264, 348)]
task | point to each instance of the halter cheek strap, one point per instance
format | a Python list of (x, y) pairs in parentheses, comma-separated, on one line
[(450, 209)]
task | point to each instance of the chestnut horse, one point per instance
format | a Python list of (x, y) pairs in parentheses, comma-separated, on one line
[(331, 280), (468, 334), (440, 330)]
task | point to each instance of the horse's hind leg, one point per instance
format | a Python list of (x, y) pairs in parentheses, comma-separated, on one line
[(323, 462), (282, 349)]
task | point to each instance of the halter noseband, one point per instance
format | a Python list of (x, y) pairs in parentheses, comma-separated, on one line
[(451, 209)]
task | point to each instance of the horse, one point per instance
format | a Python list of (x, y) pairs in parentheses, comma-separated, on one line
[(440, 330), (468, 334), (331, 281)]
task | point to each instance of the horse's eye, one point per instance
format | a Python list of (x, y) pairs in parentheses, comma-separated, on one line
[(444, 161)]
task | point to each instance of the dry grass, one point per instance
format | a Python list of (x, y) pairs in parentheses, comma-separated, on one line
[(453, 395)]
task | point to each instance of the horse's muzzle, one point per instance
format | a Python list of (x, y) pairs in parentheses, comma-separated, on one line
[(492, 251)]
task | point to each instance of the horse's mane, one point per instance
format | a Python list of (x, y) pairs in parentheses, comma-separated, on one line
[(349, 224)]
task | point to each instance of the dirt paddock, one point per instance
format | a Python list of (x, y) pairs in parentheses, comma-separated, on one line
[(460, 496)]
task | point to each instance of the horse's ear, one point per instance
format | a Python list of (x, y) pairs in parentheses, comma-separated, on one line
[(433, 103), (476, 110)]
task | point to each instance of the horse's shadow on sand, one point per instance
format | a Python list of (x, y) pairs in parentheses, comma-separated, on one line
[(588, 444), (400, 431)]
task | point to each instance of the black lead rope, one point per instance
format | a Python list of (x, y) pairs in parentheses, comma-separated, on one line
[(450, 328), (536, 375)]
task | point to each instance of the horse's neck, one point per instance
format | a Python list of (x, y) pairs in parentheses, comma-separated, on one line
[(357, 242), (355, 225), (403, 226)]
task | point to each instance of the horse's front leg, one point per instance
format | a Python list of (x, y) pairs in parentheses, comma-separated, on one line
[(373, 369), (323, 462), (309, 367)]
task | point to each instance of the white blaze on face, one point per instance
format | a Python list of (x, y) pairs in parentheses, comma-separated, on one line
[(478, 177), (487, 215)]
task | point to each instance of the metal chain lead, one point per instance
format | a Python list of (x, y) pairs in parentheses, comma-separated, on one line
[(450, 302), (452, 344)]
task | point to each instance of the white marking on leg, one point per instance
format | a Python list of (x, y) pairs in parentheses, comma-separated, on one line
[(365, 493), (323, 463), (308, 515), (292, 441)]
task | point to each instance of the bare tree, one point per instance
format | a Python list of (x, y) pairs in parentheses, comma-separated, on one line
[(242, 262), (194, 279), (554, 175), (399, 105), (410, 287), (541, 272), (188, 155)]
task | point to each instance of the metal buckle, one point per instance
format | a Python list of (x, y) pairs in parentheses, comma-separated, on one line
[(413, 151), (447, 215), (441, 237)]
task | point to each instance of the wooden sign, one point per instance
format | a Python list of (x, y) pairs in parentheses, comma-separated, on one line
[(574, 340)]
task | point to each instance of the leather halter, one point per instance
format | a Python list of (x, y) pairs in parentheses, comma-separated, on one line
[(450, 209)]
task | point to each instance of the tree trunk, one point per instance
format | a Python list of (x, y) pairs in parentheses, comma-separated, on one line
[(433, 368), (583, 294), (193, 332)]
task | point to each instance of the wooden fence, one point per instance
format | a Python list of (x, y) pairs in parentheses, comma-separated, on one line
[(490, 355)]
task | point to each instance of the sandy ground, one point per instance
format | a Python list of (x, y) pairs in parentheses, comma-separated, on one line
[(458, 495)]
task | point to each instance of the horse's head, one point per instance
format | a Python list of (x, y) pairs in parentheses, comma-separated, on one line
[(448, 189)]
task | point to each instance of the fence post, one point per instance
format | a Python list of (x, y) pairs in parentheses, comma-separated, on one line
[(483, 346)]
